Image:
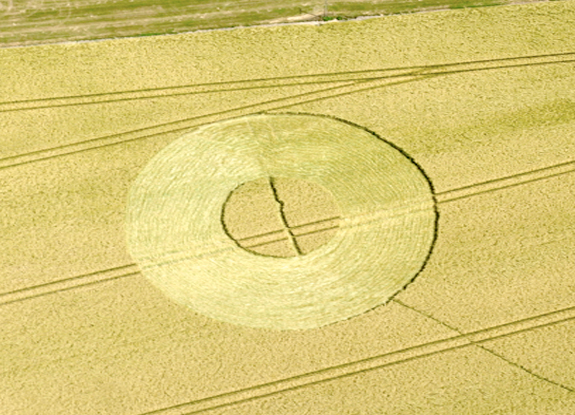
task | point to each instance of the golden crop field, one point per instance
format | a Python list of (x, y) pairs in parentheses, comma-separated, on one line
[(481, 100)]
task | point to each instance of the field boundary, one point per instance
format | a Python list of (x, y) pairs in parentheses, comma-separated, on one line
[(33, 23)]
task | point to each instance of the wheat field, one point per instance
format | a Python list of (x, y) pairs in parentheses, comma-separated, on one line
[(483, 100)]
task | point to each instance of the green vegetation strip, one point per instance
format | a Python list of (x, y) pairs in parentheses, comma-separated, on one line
[(31, 22)]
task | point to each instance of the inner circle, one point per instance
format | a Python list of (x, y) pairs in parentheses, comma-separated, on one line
[(280, 217)]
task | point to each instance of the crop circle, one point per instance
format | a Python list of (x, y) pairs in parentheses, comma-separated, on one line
[(383, 211)]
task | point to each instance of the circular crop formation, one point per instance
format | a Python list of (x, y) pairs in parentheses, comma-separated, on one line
[(283, 221)]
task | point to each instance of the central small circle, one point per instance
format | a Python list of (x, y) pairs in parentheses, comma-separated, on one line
[(280, 217)]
